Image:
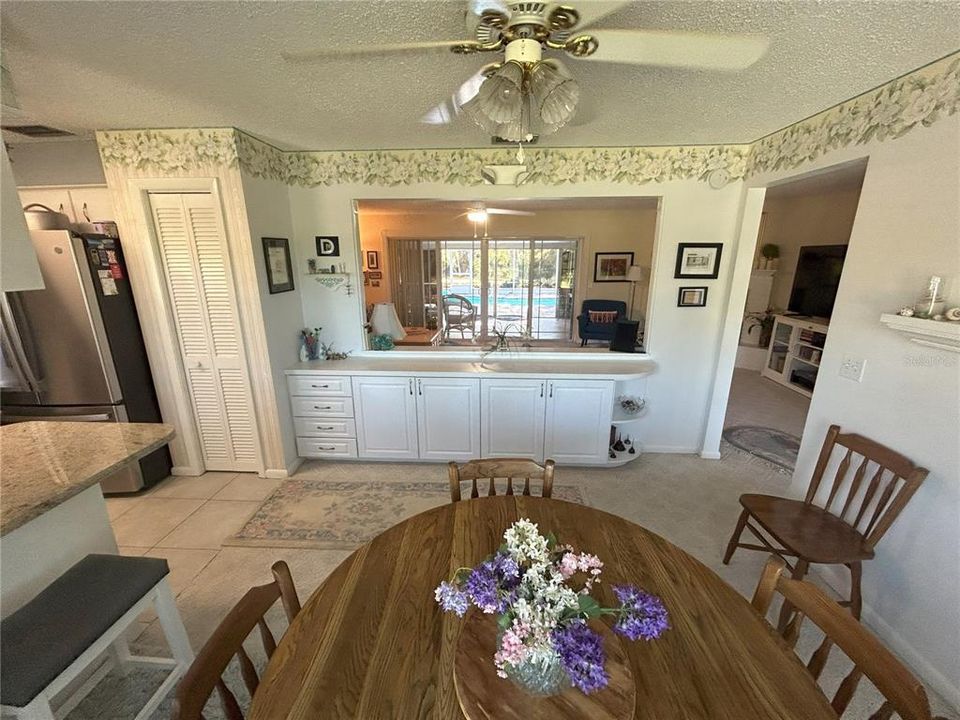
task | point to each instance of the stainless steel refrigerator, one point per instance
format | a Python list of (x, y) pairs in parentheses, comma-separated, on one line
[(74, 351)]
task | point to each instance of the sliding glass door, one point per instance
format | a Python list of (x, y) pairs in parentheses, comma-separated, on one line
[(523, 287)]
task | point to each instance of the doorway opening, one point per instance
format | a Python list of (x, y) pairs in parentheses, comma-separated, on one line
[(798, 263), (462, 273)]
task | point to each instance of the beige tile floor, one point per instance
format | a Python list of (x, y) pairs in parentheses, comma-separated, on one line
[(688, 500), (755, 400)]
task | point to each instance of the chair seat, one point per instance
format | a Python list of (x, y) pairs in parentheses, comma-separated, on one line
[(42, 639), (807, 531)]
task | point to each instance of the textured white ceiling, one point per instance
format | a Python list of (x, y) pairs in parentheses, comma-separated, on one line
[(97, 65)]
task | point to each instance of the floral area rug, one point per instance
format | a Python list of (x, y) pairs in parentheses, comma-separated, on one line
[(340, 514), (771, 445)]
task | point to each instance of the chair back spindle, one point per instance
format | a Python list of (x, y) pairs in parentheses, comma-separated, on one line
[(869, 507), (902, 692), (508, 469), (206, 673)]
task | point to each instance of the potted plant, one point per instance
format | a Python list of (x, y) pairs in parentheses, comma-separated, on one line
[(771, 254), (764, 322)]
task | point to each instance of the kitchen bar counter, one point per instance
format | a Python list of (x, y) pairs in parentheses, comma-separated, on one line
[(43, 464), (606, 365)]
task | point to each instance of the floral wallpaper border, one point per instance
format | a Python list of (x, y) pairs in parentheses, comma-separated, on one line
[(888, 112)]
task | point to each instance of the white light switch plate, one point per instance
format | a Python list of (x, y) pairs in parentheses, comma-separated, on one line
[(852, 368)]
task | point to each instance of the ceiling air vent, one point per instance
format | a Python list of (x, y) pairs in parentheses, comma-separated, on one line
[(37, 131), (497, 140)]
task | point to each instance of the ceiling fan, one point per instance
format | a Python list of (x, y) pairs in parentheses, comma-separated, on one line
[(524, 94), (480, 213)]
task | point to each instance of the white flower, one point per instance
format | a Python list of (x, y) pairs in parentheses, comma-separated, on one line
[(920, 105)]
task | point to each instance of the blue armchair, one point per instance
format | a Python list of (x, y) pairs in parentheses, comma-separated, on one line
[(599, 331)]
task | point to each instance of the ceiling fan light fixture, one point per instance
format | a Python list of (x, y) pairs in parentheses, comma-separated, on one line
[(477, 216), (500, 95), (555, 94)]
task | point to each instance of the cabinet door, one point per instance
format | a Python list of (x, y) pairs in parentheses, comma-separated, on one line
[(511, 413), (54, 198), (448, 418), (386, 415), (93, 204), (578, 421)]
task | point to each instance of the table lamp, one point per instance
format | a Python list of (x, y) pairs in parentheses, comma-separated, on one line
[(386, 322)]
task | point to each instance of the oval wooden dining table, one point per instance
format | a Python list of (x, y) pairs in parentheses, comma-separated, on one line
[(371, 642)]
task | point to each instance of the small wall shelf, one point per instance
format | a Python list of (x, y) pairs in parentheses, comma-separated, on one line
[(334, 281), (939, 334)]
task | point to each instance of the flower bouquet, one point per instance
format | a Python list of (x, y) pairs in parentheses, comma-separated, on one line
[(540, 592)]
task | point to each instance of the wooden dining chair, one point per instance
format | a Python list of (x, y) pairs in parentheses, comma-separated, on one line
[(902, 692), (206, 672), (844, 527), (509, 469)]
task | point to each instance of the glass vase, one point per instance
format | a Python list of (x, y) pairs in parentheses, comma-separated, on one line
[(542, 677)]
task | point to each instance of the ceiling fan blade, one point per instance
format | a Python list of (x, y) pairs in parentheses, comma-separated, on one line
[(592, 11), (504, 211), (341, 51), (676, 49), (447, 111)]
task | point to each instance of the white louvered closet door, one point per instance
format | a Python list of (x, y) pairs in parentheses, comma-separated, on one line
[(197, 269)]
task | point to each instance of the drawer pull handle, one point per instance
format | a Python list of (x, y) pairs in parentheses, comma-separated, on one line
[(325, 407), (323, 447), (325, 427), (320, 386)]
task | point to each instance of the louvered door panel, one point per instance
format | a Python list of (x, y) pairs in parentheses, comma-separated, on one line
[(196, 262)]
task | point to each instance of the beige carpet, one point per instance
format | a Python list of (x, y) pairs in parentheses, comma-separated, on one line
[(307, 512)]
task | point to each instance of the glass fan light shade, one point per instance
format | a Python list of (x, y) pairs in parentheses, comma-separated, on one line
[(500, 96), (554, 93)]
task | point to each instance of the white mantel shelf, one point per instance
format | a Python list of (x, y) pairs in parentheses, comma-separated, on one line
[(939, 334), (520, 365)]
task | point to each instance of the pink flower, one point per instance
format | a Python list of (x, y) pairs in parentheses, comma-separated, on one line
[(568, 565), (590, 562)]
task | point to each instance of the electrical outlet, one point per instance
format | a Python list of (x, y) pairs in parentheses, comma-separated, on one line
[(852, 368)]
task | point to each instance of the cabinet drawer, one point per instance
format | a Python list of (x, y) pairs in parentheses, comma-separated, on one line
[(325, 427), (319, 385), (320, 447), (322, 406)]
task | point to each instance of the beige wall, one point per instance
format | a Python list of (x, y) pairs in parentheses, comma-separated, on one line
[(820, 218), (628, 229)]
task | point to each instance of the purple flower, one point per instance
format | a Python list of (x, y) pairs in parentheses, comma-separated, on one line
[(451, 598), (484, 589), (507, 570), (642, 615), (581, 652)]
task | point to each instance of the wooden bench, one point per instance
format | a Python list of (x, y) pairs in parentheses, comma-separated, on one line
[(80, 620)]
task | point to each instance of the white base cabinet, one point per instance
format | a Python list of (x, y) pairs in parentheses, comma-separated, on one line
[(440, 419), (512, 416), (448, 418), (386, 416), (577, 428)]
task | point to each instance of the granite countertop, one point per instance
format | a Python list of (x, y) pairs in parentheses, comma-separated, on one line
[(43, 464)]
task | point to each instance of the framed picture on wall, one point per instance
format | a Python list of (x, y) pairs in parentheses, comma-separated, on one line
[(612, 267), (698, 260), (328, 245), (276, 254), (692, 297), (373, 260)]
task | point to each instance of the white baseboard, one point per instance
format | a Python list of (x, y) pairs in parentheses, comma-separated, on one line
[(710, 455), (839, 580), (676, 449), (186, 470), (281, 473)]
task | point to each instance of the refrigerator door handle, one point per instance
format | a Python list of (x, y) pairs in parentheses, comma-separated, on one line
[(95, 417), (16, 355)]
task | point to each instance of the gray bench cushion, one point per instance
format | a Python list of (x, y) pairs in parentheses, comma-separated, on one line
[(41, 639)]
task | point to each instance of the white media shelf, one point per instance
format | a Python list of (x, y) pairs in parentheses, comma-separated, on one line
[(793, 357)]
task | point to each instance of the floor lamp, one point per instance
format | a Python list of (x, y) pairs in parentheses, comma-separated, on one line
[(635, 274)]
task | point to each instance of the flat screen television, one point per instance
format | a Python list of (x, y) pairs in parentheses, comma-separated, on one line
[(816, 280)]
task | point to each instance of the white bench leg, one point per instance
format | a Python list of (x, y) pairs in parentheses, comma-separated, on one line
[(120, 652), (173, 626)]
